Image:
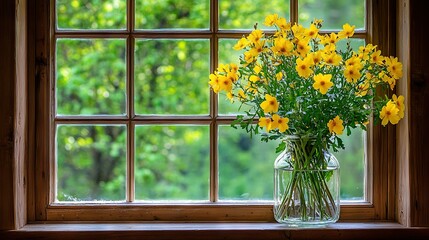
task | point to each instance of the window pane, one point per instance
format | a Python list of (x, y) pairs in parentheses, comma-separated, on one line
[(228, 55), (245, 165), (172, 162), (355, 43), (91, 14), (162, 14), (90, 76), (245, 13), (334, 13), (171, 76), (352, 165), (91, 162)]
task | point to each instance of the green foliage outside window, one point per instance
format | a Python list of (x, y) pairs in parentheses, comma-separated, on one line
[(170, 77)]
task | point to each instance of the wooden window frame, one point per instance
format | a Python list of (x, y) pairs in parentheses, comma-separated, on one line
[(381, 163), (18, 142)]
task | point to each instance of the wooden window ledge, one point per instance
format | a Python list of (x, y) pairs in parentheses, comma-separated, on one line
[(105, 231)]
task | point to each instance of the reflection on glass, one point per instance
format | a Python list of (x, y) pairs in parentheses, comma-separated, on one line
[(91, 14), (162, 14), (90, 76), (245, 14), (334, 13), (91, 163), (171, 76), (245, 165), (352, 165), (172, 162)]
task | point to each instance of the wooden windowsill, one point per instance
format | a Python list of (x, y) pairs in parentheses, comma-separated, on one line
[(147, 230)]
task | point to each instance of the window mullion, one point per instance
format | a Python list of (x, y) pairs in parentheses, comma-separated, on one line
[(214, 176), (130, 183), (293, 11)]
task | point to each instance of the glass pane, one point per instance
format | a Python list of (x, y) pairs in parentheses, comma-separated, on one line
[(91, 162), (245, 13), (245, 165), (334, 13), (91, 14), (171, 76), (161, 14), (355, 43), (352, 165), (90, 76), (172, 162), (228, 55)]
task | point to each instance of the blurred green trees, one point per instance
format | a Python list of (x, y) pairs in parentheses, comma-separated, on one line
[(171, 162)]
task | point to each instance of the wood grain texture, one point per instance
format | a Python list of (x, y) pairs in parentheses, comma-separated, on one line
[(419, 127), (7, 113), (20, 116), (403, 137), (381, 150), (216, 231)]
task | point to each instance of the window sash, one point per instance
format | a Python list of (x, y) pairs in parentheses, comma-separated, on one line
[(211, 210)]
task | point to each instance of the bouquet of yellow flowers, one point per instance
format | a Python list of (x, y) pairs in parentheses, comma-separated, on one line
[(301, 88), (297, 82)]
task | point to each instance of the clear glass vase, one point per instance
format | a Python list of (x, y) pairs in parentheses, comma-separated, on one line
[(307, 183)]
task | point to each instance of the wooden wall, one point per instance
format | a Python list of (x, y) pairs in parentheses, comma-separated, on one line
[(7, 83), (13, 113), (419, 114)]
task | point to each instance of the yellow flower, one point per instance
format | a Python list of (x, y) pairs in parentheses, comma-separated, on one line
[(223, 68), (390, 80), (232, 76), (225, 83), (242, 43), (316, 57), (394, 67), (265, 122), (330, 39), (279, 76), (249, 57), (214, 82), (347, 31), (332, 58), (352, 74), (257, 48), (376, 58), (270, 105), (303, 67), (230, 96), (257, 69), (234, 67), (271, 19), (317, 22), (298, 31), (302, 47), (355, 62), (255, 36), (389, 113), (283, 24), (241, 95), (322, 82), (399, 101), (336, 125), (254, 78), (282, 46), (280, 123), (362, 89), (312, 31)]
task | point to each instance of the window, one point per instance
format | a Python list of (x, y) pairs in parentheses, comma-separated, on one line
[(133, 125)]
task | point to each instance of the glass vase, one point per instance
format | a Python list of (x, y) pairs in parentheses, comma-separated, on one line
[(307, 183)]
